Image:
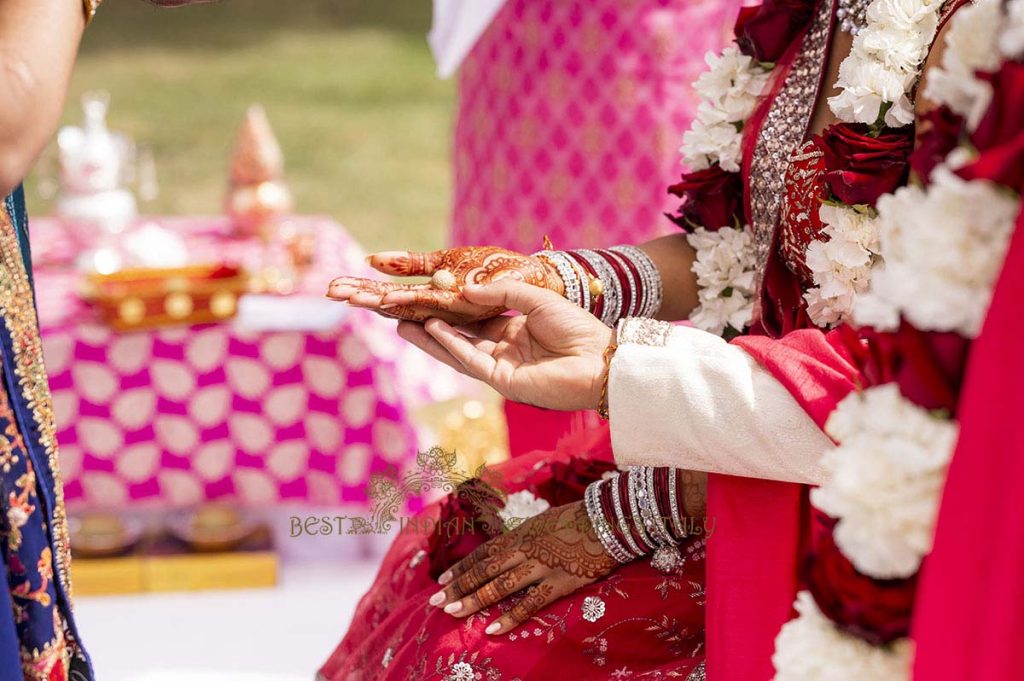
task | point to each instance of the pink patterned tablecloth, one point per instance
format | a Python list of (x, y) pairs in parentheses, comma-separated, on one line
[(181, 415)]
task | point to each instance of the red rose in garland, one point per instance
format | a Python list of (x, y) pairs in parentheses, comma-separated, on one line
[(938, 134), (568, 481), (1000, 135), (859, 167), (712, 198), (875, 610), (766, 31), (1003, 121), (928, 366)]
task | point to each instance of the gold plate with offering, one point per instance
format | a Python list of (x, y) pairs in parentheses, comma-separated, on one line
[(146, 298), (211, 528), (101, 535)]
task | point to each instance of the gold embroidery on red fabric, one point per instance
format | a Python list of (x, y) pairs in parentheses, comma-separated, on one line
[(18, 308)]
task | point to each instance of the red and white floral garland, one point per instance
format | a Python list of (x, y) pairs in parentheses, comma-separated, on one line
[(942, 247), (875, 80), (922, 259), (730, 90)]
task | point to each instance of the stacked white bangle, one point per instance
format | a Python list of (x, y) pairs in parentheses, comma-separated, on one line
[(639, 526), (601, 527)]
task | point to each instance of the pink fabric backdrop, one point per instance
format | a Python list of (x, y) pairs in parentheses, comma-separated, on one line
[(569, 124), (570, 119), (181, 415)]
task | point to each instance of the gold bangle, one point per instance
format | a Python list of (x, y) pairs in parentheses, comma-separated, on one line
[(90, 7), (602, 404)]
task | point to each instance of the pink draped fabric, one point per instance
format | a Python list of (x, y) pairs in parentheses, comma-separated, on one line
[(969, 621)]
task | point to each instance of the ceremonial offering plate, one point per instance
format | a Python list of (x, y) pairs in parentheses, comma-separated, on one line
[(211, 528), (145, 298), (101, 535)]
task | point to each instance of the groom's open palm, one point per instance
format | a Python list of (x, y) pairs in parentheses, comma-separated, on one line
[(551, 355)]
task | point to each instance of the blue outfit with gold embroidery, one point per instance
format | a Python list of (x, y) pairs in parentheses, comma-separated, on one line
[(38, 638)]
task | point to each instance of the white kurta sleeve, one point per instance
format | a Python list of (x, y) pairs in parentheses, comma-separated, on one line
[(681, 397)]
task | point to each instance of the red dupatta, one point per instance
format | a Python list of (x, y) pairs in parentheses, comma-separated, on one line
[(969, 620)]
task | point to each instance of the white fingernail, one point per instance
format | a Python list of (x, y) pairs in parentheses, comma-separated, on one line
[(492, 628), (437, 599), (453, 608), (445, 578)]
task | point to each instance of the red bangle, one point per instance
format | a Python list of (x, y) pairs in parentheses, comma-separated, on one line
[(596, 302)]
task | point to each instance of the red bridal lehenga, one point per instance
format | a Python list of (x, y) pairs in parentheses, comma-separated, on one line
[(793, 592), (638, 623)]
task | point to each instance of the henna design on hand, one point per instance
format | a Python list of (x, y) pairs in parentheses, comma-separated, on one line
[(466, 575), (503, 586), (535, 598), (571, 545), (694, 493), (469, 265)]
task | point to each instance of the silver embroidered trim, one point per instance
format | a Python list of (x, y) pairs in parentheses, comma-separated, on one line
[(784, 129), (640, 331), (698, 674)]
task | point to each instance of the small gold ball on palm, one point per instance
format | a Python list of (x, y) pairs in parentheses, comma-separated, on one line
[(443, 280)]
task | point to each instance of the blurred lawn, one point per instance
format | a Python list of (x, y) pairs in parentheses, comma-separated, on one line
[(348, 84)]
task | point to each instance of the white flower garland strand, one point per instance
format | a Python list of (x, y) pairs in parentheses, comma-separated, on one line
[(810, 648), (729, 90), (878, 75), (885, 62), (885, 479), (1011, 42), (969, 49), (725, 262), (725, 268), (940, 256), (841, 266), (943, 248)]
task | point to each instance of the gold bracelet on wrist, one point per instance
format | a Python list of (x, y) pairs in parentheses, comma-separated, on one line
[(90, 7), (602, 404)]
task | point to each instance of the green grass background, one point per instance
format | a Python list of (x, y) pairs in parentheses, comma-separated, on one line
[(349, 87)]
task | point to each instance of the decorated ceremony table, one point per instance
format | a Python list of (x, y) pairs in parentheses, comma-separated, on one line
[(180, 415)]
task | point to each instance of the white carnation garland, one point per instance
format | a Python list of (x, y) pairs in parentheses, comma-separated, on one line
[(938, 258), (810, 648), (884, 480), (875, 82), (726, 261), (841, 267), (729, 91)]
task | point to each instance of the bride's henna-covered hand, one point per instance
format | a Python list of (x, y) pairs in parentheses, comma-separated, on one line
[(547, 557), (458, 267)]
